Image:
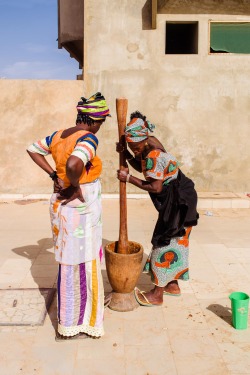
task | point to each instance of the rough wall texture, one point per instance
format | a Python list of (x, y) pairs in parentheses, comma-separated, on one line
[(225, 7), (199, 103), (30, 110)]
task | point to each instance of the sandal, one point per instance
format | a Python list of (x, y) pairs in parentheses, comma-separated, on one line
[(146, 302), (107, 299)]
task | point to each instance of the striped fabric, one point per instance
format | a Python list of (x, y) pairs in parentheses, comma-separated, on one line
[(81, 299), (40, 147), (85, 148), (94, 107)]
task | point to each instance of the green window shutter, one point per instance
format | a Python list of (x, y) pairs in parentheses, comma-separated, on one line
[(231, 37)]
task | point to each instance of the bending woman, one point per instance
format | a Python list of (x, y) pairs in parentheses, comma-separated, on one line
[(173, 196), (75, 211)]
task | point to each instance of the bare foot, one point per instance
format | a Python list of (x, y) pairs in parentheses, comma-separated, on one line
[(172, 288)]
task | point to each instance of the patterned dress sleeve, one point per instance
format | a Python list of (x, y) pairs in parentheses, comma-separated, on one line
[(42, 146), (154, 166), (86, 147), (161, 166)]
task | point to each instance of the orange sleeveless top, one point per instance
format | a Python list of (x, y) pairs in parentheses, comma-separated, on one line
[(62, 148)]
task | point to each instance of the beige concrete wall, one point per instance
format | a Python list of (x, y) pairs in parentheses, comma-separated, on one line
[(199, 103), (29, 110)]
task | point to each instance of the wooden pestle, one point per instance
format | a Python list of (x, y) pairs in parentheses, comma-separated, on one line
[(121, 111)]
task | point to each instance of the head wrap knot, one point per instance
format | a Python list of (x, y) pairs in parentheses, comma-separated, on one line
[(94, 107), (137, 130)]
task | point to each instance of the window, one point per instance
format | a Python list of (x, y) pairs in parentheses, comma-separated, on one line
[(181, 38), (229, 37)]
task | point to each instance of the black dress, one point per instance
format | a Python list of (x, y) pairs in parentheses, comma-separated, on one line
[(176, 205)]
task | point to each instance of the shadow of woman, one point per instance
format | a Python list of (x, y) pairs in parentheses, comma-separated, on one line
[(222, 312), (31, 252)]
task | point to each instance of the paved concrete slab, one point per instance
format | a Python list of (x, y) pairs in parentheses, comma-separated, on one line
[(191, 334), (25, 307)]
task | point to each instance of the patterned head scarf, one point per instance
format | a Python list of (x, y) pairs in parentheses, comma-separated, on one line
[(137, 130), (94, 107)]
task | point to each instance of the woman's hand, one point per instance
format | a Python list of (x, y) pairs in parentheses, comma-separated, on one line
[(119, 147), (70, 193), (122, 174), (58, 185)]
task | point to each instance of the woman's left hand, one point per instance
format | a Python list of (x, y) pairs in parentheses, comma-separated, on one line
[(58, 185), (119, 147), (122, 174)]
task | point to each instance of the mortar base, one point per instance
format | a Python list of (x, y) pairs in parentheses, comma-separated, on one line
[(123, 302)]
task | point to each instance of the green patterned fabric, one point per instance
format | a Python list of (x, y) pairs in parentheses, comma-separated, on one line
[(170, 262)]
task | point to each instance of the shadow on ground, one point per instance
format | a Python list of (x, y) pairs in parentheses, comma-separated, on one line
[(222, 312), (31, 252)]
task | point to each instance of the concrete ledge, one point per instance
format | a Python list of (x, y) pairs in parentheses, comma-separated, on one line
[(207, 200), (223, 200), (129, 196)]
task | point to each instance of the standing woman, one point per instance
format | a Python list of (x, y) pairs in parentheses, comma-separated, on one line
[(174, 197), (75, 211)]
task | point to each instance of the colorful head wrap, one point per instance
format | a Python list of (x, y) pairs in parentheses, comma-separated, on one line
[(95, 107), (137, 130)]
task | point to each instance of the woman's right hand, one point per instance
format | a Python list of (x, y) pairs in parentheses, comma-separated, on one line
[(122, 174), (70, 193)]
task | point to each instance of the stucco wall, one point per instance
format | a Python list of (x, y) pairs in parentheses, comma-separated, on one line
[(199, 103), (29, 110)]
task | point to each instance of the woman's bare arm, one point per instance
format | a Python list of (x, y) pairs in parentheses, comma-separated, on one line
[(135, 163), (151, 186), (74, 169)]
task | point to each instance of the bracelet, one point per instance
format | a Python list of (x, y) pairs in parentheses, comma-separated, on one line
[(127, 178), (53, 175)]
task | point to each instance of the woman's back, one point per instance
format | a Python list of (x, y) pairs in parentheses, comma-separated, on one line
[(69, 141)]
